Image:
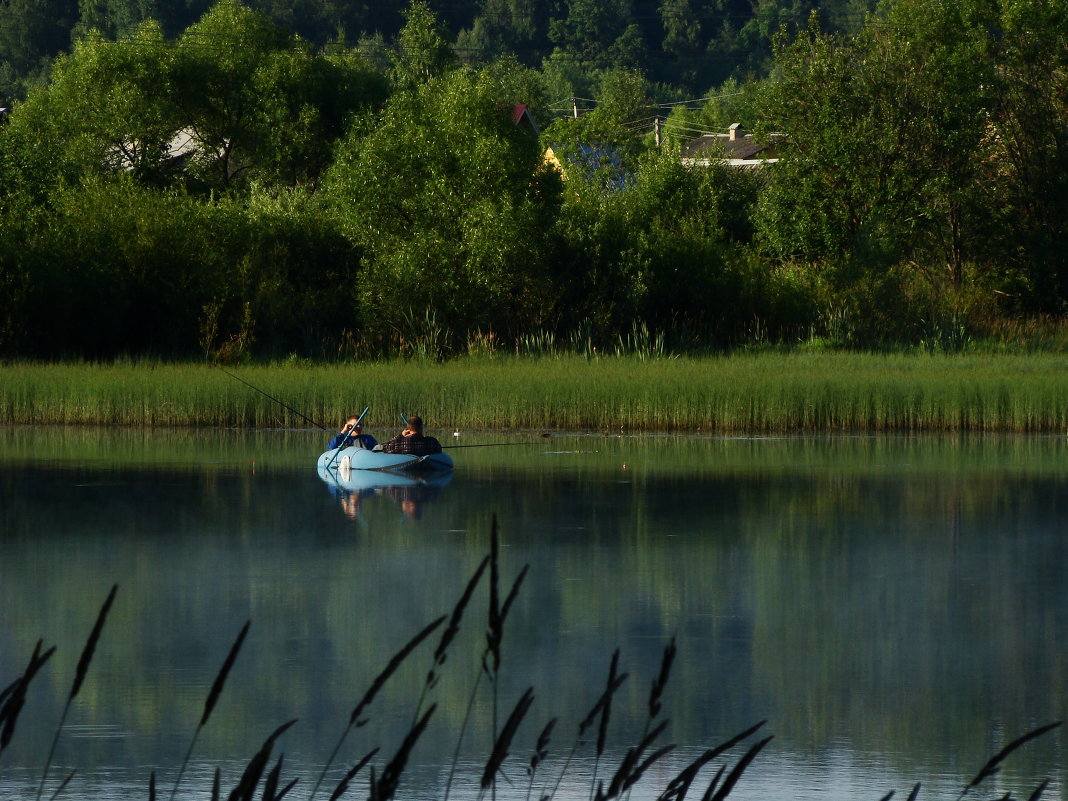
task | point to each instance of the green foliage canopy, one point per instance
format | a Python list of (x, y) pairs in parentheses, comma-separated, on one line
[(884, 136), (234, 100), (450, 204)]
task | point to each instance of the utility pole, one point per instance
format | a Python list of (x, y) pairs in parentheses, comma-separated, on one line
[(574, 107), (656, 129)]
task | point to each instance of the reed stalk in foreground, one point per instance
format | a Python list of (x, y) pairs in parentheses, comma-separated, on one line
[(63, 785), (679, 786), (504, 742), (656, 692), (597, 712), (270, 787), (993, 765), (491, 656), (343, 785), (605, 703), (654, 705), (724, 790), (498, 614), (369, 696), (79, 678), (13, 697), (250, 779), (385, 787), (541, 751), (915, 792), (212, 699), (442, 651), (635, 764)]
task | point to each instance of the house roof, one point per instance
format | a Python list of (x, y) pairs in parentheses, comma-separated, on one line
[(521, 116), (719, 146), (734, 146)]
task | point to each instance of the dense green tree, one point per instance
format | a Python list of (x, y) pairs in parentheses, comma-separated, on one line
[(105, 110), (258, 104), (374, 49), (454, 14), (32, 32), (598, 33), (706, 42), (478, 44), (1026, 182), (114, 18), (222, 65), (105, 269), (682, 27), (848, 16), (451, 206), (756, 31), (602, 144), (684, 43), (236, 99), (732, 102), (159, 192), (422, 51), (109, 237), (519, 27), (306, 104), (111, 267), (288, 281), (885, 134), (665, 251), (566, 78)]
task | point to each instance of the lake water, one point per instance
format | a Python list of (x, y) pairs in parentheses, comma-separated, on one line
[(896, 609)]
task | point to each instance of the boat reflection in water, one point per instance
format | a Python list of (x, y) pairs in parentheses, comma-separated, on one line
[(412, 492)]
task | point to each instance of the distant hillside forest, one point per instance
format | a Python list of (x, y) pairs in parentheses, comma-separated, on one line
[(323, 179), (684, 45)]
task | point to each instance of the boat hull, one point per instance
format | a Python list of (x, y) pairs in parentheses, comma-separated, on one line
[(355, 458), (368, 481)]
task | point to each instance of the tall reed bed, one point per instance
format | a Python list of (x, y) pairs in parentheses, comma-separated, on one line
[(621, 761), (767, 392)]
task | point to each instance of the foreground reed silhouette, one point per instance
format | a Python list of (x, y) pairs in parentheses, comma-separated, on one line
[(383, 782)]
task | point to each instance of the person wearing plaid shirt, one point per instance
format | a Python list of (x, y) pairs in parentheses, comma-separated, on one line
[(412, 440)]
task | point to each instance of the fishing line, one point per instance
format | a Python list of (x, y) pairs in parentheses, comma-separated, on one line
[(489, 445), (280, 403)]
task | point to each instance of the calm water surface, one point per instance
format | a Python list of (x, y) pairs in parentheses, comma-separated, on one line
[(896, 609)]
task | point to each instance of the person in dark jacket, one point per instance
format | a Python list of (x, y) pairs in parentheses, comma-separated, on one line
[(412, 440), (350, 434)]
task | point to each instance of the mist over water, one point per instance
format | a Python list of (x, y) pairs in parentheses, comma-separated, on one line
[(895, 608)]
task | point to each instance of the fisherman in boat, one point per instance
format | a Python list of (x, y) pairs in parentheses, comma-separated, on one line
[(350, 434), (412, 440)]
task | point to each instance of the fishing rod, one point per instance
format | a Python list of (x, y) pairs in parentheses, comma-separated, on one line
[(489, 445), (404, 417), (280, 403), (345, 436)]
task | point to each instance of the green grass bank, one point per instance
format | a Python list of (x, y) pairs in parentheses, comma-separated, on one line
[(763, 392)]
